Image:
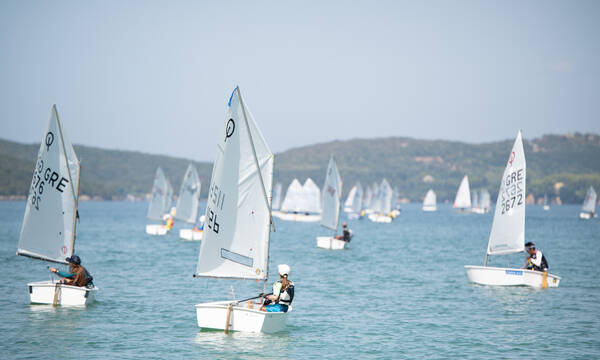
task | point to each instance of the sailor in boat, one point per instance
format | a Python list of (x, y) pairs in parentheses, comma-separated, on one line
[(169, 222), (283, 292), (535, 259), (77, 275), (346, 234)]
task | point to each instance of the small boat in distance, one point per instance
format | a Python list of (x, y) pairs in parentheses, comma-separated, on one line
[(302, 203), (332, 199), (546, 206), (508, 230), (50, 221), (159, 204), (588, 210), (462, 202), (188, 202), (430, 201)]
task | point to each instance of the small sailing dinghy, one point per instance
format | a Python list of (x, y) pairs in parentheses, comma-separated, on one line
[(355, 210), (301, 203), (462, 202), (430, 201), (382, 204), (188, 202), (350, 199), (508, 230), (546, 206), (159, 204), (237, 231), (49, 225), (332, 199), (588, 210)]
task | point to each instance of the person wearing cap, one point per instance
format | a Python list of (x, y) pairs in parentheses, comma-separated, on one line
[(347, 233), (535, 259), (283, 292), (77, 275)]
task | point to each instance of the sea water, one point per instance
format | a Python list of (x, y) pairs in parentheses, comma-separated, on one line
[(398, 291)]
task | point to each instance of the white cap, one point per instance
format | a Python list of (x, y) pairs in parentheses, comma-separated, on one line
[(283, 269)]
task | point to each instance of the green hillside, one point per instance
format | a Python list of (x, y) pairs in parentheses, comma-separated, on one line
[(411, 165)]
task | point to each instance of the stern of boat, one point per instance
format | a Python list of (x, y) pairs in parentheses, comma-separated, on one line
[(44, 292), (245, 317)]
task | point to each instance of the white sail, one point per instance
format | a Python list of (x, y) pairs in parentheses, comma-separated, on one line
[(168, 198), (475, 200), (387, 197), (332, 197), (156, 209), (276, 201), (368, 200), (485, 202), (351, 198), (430, 199), (508, 229), (48, 229), (236, 235), (357, 204), (189, 196), (311, 197), (589, 203), (463, 195), (293, 197)]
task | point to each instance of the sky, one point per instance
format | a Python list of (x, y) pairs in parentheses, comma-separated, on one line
[(155, 76)]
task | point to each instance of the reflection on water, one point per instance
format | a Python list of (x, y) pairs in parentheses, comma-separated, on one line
[(243, 343)]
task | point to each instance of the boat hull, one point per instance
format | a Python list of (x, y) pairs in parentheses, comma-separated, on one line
[(156, 229), (297, 217), (42, 292), (486, 275), (245, 317), (190, 234), (429, 208), (586, 215), (380, 218), (328, 242)]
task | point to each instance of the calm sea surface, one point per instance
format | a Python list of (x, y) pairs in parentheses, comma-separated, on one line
[(398, 291)]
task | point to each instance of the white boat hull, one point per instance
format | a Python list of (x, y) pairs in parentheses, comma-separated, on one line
[(43, 292), (190, 234), (478, 211), (156, 229), (586, 215), (297, 217), (429, 208), (486, 275), (380, 218), (328, 242), (546, 207), (244, 317)]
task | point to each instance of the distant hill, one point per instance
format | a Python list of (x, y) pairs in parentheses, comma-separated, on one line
[(558, 165)]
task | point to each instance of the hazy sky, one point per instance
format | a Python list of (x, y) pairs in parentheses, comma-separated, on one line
[(155, 76)]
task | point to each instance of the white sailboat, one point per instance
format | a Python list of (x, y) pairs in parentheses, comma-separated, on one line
[(276, 201), (301, 203), (546, 207), (159, 204), (588, 210), (238, 213), (188, 202), (332, 199), (462, 202), (49, 225), (350, 199), (430, 201), (508, 230), (382, 204), (356, 205)]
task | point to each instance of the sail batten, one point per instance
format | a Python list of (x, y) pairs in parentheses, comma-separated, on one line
[(237, 231), (508, 228), (48, 229)]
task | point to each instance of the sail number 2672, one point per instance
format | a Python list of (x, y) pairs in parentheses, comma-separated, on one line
[(513, 190), (216, 198)]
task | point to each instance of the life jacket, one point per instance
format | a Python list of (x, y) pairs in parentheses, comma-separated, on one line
[(286, 296)]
